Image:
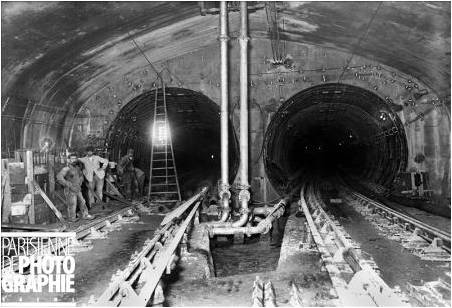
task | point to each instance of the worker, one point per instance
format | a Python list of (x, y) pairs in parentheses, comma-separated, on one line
[(94, 174), (126, 171), (71, 177), (140, 176)]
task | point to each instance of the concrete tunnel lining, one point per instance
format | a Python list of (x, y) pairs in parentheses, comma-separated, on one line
[(195, 130), (333, 126)]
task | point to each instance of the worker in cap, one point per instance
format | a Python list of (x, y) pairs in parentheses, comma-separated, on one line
[(71, 177), (94, 173), (126, 171)]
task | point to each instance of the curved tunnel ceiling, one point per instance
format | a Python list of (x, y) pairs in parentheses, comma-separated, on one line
[(42, 42), (331, 128)]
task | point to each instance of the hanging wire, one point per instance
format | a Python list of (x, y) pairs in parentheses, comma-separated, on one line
[(364, 36), (278, 49), (158, 73)]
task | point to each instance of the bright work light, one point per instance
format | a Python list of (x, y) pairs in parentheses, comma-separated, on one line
[(160, 132)]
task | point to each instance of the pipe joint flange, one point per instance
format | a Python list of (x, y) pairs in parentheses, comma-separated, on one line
[(244, 195), (243, 38), (223, 38), (243, 211), (225, 194), (223, 191)]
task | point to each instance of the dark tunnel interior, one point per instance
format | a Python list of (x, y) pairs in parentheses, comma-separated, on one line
[(334, 128), (194, 122)]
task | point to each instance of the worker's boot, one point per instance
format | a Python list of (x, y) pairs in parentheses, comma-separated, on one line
[(88, 216)]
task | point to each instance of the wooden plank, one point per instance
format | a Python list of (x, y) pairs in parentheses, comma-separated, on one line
[(49, 202), (58, 196), (159, 265), (39, 169), (29, 182), (17, 156), (122, 200), (17, 173), (113, 188), (6, 192), (31, 227), (51, 168)]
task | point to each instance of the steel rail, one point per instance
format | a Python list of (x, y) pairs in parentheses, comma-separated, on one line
[(102, 222), (137, 284), (430, 232), (83, 231), (365, 287)]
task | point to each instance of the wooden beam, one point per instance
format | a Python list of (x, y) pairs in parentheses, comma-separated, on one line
[(51, 168), (40, 169), (29, 181), (32, 227), (58, 196), (124, 201), (6, 192), (49, 202), (17, 156), (113, 188)]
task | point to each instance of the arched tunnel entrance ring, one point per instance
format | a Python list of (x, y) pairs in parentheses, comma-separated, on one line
[(334, 126), (194, 122)]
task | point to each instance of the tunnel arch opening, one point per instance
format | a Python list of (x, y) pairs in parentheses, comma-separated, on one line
[(333, 128), (194, 122)]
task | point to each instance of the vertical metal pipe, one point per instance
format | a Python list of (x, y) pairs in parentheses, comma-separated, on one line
[(244, 195), (224, 187)]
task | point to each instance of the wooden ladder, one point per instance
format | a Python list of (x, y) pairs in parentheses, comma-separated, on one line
[(163, 181)]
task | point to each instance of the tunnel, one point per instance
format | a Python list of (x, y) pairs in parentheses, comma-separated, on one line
[(333, 128), (194, 122)]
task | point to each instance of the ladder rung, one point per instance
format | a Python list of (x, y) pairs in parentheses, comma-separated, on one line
[(162, 168), (163, 159), (161, 152), (163, 184), (163, 176), (157, 201)]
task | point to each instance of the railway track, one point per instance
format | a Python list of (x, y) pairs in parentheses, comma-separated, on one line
[(426, 241), (138, 284), (94, 229), (354, 277)]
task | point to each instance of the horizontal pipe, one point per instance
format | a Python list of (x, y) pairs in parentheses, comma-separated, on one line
[(262, 227)]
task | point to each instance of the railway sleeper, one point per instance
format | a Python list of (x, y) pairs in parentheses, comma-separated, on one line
[(421, 242), (342, 258)]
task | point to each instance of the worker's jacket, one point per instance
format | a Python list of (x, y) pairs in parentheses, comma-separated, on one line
[(125, 165), (92, 166), (71, 174)]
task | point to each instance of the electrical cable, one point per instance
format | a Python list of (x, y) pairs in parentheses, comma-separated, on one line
[(360, 40)]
